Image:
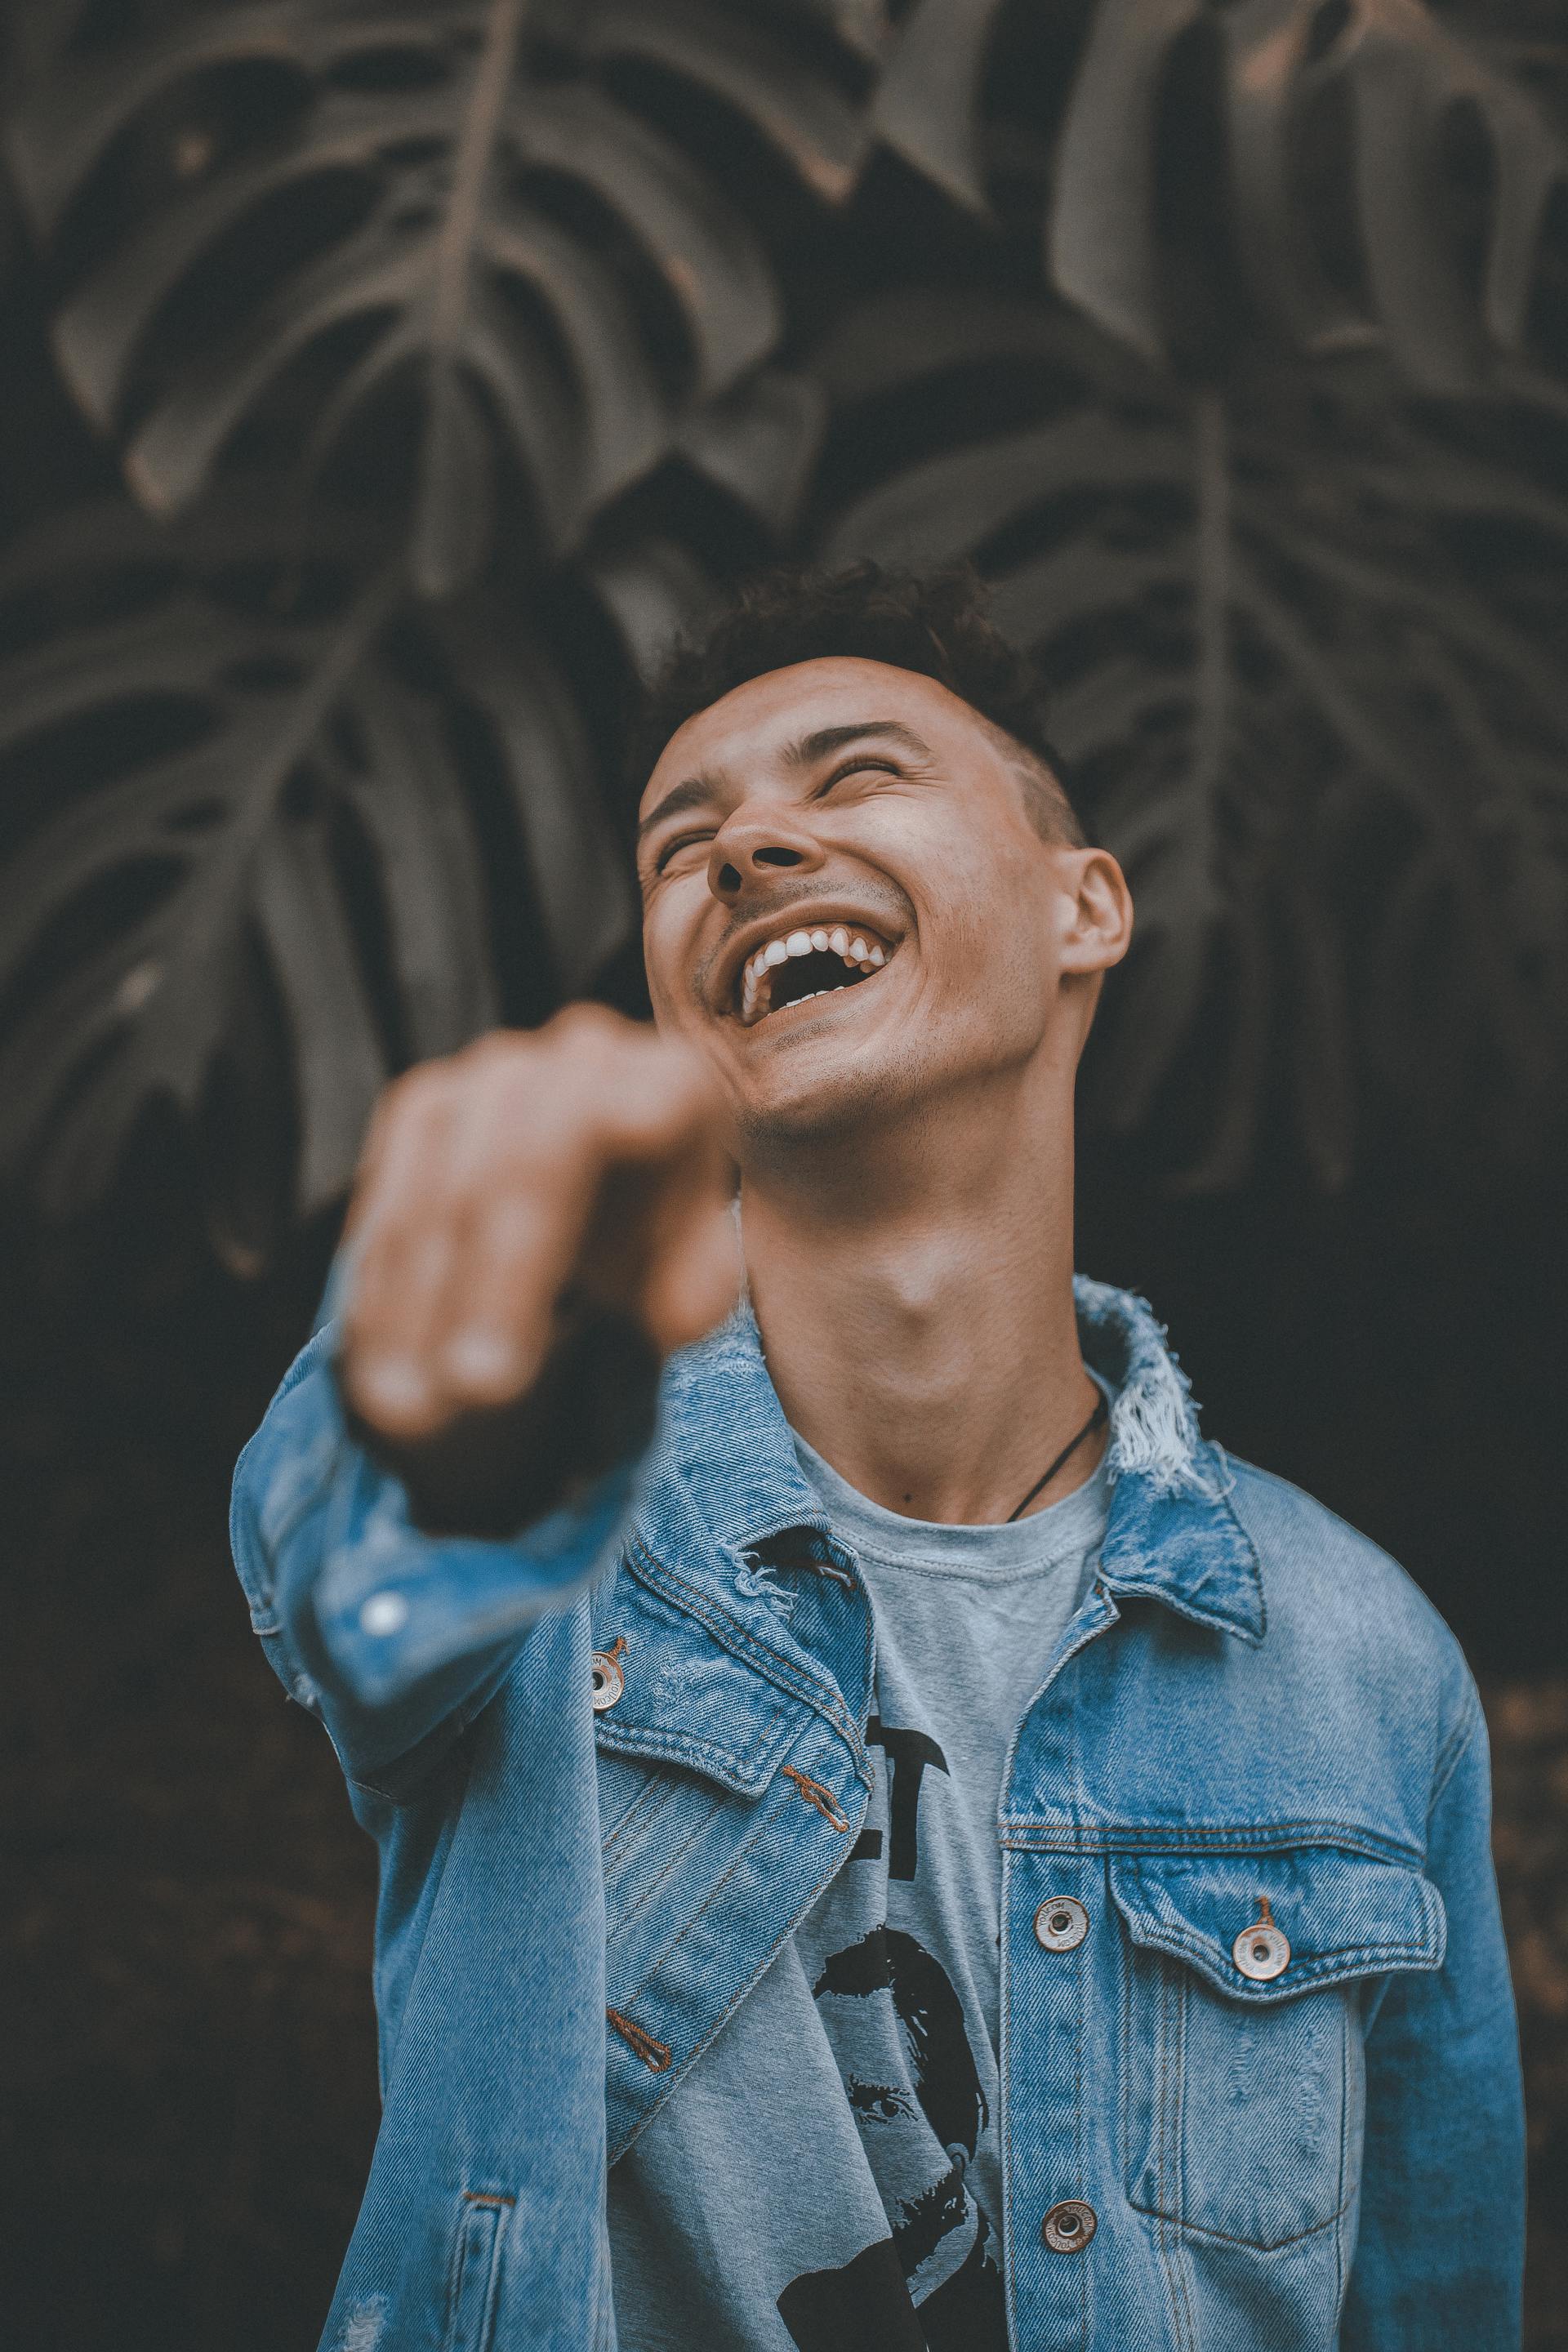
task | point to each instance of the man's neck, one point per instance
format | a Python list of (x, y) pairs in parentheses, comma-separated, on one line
[(914, 1293)]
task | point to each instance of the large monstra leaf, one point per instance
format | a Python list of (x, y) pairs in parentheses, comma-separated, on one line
[(1375, 171), (1332, 759), (345, 228), (257, 808)]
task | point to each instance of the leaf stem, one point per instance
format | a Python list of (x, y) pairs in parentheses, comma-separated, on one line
[(493, 80), (1212, 465)]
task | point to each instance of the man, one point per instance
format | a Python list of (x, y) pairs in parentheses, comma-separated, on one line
[(925, 1850)]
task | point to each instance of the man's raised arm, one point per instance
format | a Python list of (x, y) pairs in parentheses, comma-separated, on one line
[(537, 1223)]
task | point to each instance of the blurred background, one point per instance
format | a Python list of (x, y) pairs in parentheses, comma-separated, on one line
[(381, 386)]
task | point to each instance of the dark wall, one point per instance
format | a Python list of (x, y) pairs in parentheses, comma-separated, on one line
[(1396, 1351)]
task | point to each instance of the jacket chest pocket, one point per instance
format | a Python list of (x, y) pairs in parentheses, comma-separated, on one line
[(658, 1824), (1247, 1983), (687, 1746)]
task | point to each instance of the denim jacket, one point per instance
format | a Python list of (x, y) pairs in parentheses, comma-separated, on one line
[(1275, 2080)]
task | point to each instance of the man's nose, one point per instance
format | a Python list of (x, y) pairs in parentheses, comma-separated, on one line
[(750, 848)]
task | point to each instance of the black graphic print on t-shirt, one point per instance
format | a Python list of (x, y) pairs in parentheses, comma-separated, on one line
[(827, 2177), (915, 2085)]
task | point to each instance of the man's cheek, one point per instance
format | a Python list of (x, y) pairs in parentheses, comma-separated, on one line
[(656, 965)]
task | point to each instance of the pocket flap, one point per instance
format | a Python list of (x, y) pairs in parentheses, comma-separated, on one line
[(1343, 1915), (685, 1698)]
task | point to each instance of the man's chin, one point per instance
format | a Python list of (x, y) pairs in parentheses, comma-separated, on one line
[(799, 1109)]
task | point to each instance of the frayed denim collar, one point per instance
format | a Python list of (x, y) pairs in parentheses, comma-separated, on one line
[(1172, 1535)]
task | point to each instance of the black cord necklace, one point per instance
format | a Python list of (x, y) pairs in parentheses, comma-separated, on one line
[(1095, 1418)]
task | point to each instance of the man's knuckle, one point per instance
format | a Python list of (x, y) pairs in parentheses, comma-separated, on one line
[(582, 1019), (496, 1049), (414, 1103)]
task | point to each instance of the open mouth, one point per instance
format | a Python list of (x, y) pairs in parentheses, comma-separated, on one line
[(799, 964)]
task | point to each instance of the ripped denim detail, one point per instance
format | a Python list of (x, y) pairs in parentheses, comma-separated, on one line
[(754, 1583)]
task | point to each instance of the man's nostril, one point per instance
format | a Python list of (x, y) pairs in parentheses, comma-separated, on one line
[(728, 878), (776, 857)]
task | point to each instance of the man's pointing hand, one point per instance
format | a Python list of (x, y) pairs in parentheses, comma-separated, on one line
[(537, 1223)]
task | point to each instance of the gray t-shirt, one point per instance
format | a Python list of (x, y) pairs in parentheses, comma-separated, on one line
[(833, 2158)]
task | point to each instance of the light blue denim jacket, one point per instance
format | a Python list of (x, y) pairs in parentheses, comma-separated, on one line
[(1252, 1703)]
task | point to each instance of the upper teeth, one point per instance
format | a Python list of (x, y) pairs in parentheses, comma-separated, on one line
[(860, 953)]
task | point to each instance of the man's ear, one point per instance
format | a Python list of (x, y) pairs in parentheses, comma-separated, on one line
[(1099, 928)]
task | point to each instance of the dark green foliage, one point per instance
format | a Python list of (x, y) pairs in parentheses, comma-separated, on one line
[(1327, 740), (455, 356)]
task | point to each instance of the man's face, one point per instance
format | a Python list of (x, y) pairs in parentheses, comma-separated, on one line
[(846, 905)]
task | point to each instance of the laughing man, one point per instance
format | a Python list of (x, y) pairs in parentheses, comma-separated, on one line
[(913, 1846)]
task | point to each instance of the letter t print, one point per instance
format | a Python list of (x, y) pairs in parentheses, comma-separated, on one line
[(909, 1753)]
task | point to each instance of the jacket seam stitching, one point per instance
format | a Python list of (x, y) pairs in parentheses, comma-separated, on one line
[(711, 1898), (651, 1798), (1129, 1838), (676, 2073), (1230, 2238), (683, 1748), (742, 1643), (610, 1735), (624, 1918), (1179, 2096), (1171, 1940)]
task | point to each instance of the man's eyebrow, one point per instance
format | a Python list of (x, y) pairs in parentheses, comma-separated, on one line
[(692, 794), (824, 739)]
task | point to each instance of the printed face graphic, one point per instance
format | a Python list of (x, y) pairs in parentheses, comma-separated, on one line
[(896, 2025)]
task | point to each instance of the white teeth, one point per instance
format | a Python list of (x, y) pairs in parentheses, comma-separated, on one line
[(858, 954)]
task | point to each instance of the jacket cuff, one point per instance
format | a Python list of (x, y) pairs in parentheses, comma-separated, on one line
[(392, 1604)]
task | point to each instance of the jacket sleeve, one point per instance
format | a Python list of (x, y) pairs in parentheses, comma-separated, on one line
[(393, 1639), (1440, 2254)]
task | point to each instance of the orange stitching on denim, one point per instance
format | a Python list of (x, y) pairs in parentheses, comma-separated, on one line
[(815, 1794), (655, 2056), (486, 2197), (742, 1643), (744, 1855)]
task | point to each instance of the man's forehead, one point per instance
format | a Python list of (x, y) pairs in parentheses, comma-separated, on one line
[(766, 717)]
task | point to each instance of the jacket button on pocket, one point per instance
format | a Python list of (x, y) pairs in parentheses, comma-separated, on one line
[(1068, 2227), (609, 1681), (1061, 1923), (1263, 1951)]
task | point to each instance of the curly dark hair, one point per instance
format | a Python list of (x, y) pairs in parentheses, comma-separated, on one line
[(935, 622)]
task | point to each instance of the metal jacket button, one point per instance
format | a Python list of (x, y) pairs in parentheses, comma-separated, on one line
[(1061, 1923), (1068, 2227), (609, 1680), (1262, 1950)]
